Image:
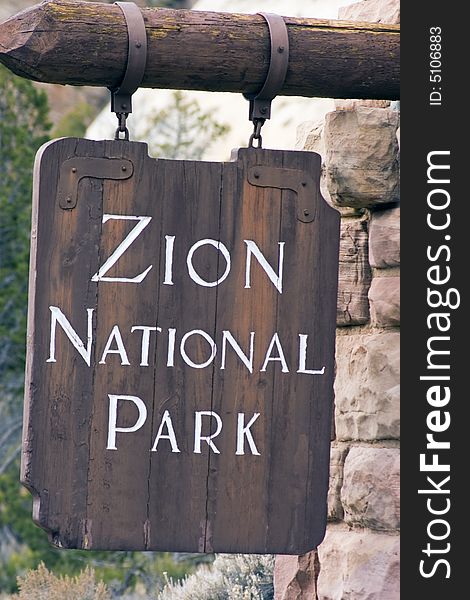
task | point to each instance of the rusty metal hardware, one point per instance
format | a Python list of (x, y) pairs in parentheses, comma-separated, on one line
[(260, 103), (256, 135), (121, 98), (75, 169), (296, 180)]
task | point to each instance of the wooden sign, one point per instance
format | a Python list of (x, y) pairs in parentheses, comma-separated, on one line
[(180, 362)]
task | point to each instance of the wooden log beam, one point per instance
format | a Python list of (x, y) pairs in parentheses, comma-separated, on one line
[(84, 43)]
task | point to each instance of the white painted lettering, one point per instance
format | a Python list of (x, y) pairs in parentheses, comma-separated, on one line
[(120, 349), (244, 431), (303, 357), (170, 243), (57, 316), (166, 420), (198, 438), (281, 358), (123, 246), (191, 270), (144, 355), (112, 421), (252, 248), (171, 348), (228, 337), (209, 340)]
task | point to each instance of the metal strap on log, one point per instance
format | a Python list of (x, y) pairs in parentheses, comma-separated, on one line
[(260, 103), (85, 43), (121, 98)]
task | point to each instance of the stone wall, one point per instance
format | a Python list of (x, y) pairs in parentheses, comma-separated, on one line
[(359, 557)]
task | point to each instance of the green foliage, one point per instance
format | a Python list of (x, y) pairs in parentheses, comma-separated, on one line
[(76, 121), (231, 577), (23, 128), (183, 130)]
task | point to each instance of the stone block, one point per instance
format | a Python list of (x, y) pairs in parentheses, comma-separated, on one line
[(384, 238), (353, 104), (384, 298), (310, 137), (371, 488), (354, 273), (358, 565), (372, 11), (367, 386), (295, 576), (362, 156), (337, 457)]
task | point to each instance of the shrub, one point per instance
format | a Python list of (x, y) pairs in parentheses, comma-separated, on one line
[(230, 577), (41, 584)]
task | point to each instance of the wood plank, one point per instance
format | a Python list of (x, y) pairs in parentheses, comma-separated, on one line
[(238, 497), (190, 196), (58, 42), (303, 404), (117, 494), (268, 499), (56, 434)]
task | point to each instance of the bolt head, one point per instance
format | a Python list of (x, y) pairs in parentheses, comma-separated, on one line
[(281, 49), (304, 183), (68, 199), (138, 45), (256, 175), (74, 170), (123, 168), (263, 110), (306, 212)]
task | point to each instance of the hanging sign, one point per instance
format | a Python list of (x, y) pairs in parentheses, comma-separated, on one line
[(179, 384)]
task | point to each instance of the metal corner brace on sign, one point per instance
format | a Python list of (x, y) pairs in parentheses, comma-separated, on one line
[(121, 98), (260, 103)]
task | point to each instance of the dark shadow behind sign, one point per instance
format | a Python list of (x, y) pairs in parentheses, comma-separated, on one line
[(179, 384)]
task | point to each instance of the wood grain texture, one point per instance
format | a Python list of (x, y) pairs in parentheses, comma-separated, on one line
[(132, 498), (60, 42), (189, 194)]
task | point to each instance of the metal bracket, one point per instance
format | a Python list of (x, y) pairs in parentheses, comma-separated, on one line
[(121, 98), (260, 103), (296, 180), (75, 169)]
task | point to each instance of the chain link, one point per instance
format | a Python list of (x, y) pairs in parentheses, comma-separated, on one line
[(122, 128), (256, 135)]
